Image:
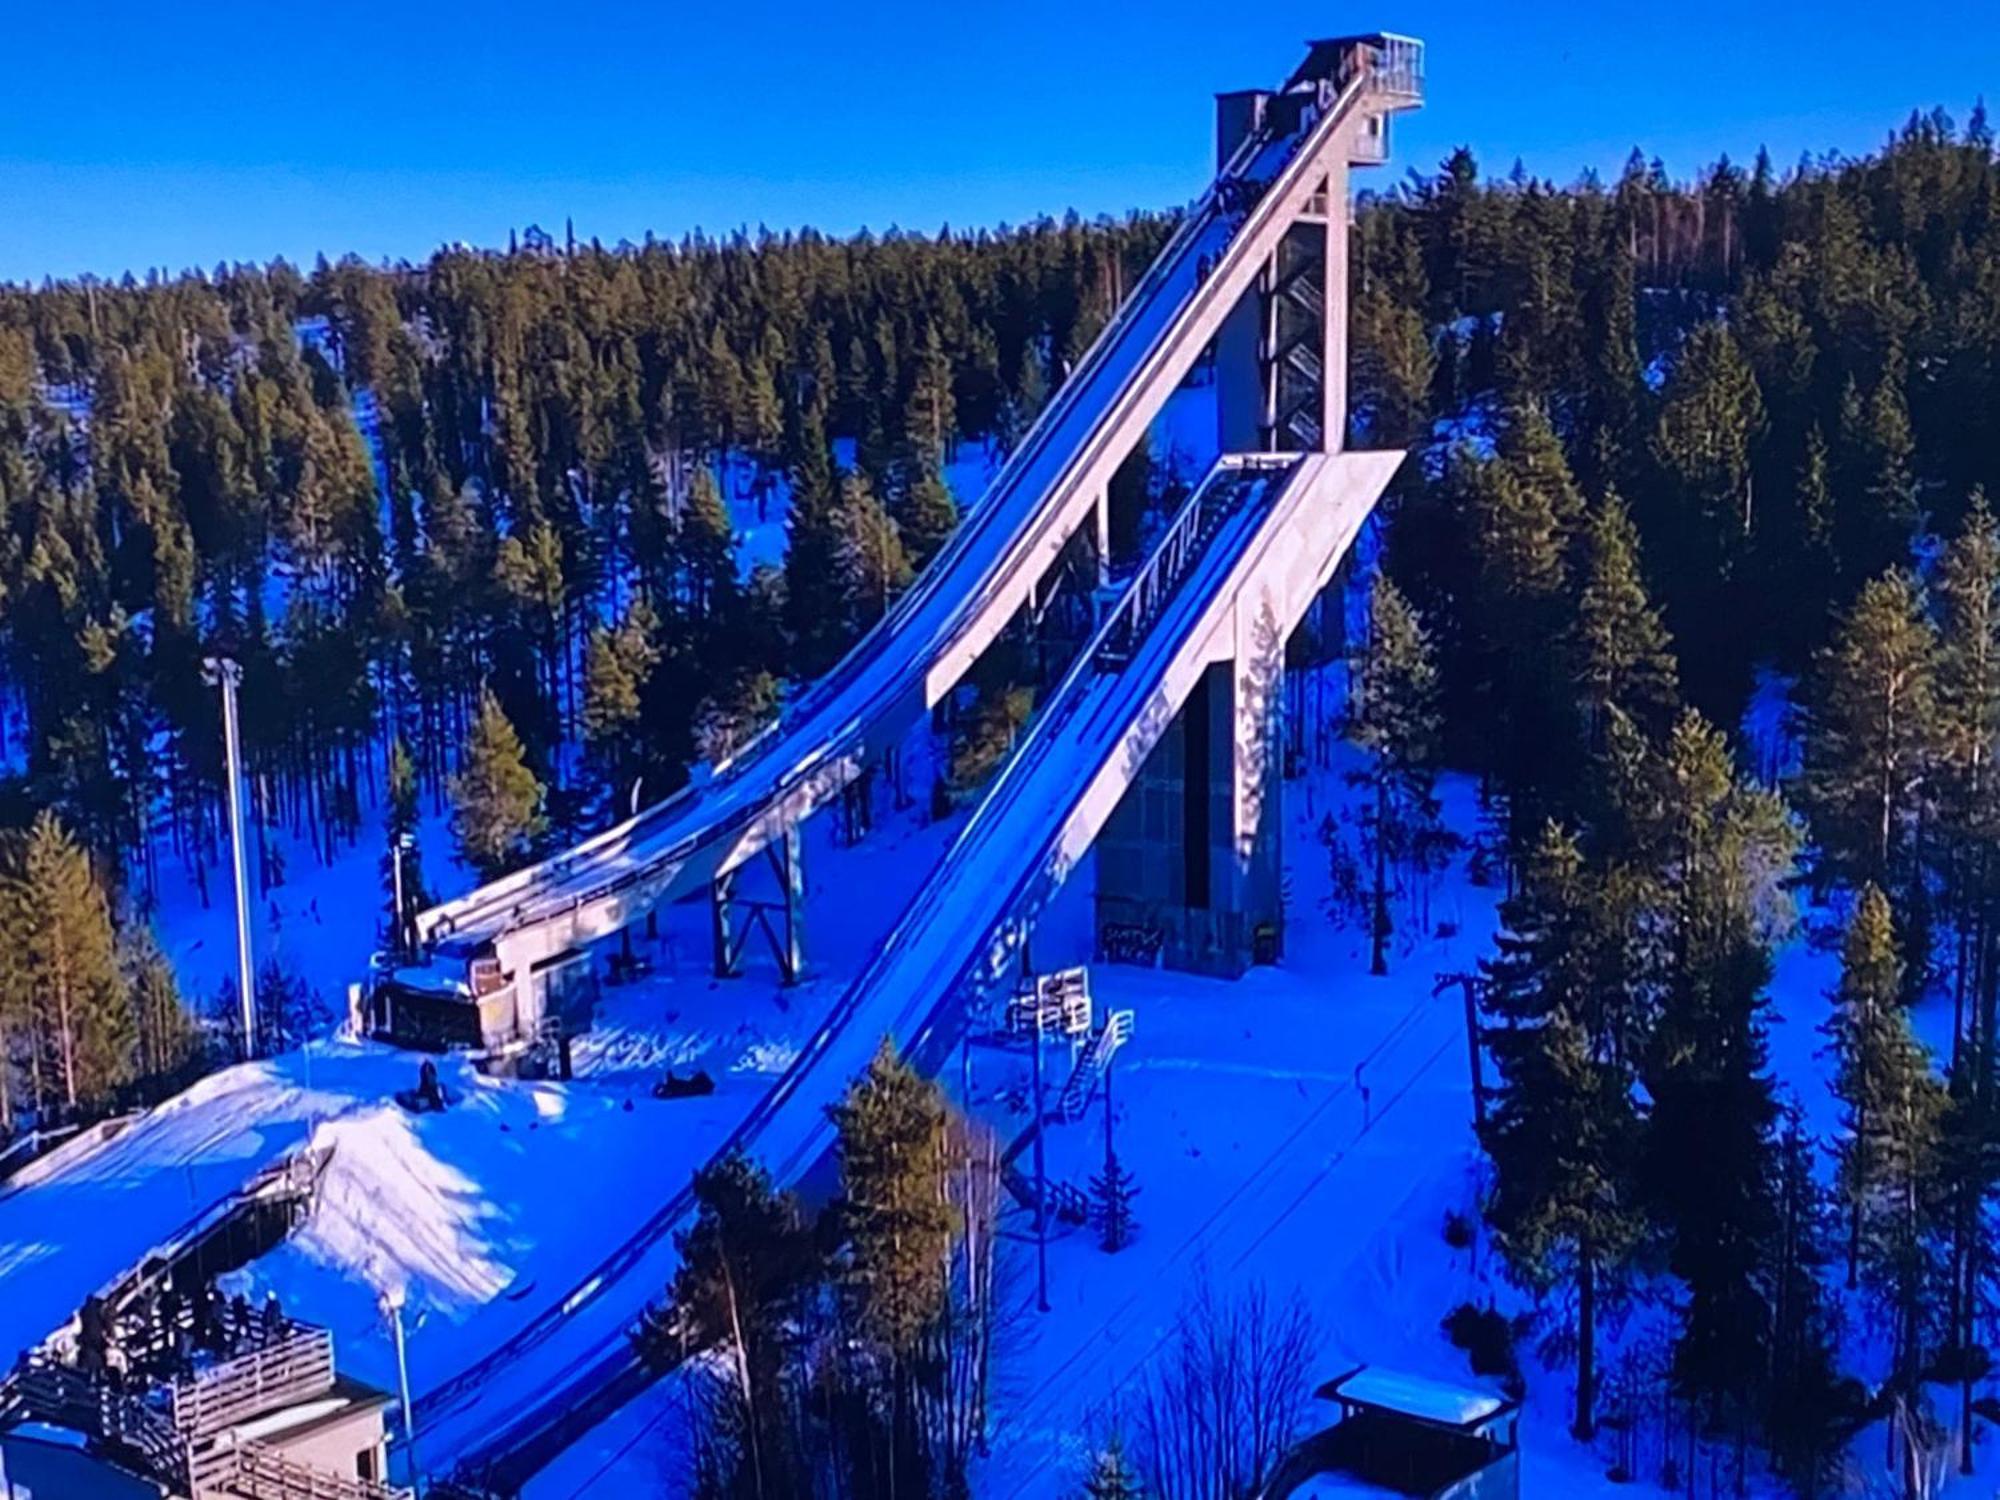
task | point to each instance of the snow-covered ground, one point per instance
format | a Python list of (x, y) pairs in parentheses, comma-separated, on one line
[(499, 1208), (487, 1213), (1307, 1127)]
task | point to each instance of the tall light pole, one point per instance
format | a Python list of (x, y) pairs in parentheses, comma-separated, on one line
[(222, 671), (392, 1309)]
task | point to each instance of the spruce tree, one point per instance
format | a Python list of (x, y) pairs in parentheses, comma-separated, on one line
[(869, 560), (926, 516), (1806, 1413), (61, 970), (1561, 1129), (1710, 1170), (705, 545), (1112, 1191), (1395, 717), (816, 590), (1520, 511), (164, 1038), (1624, 654), (1394, 365), (617, 668), (1711, 415), (1112, 1476), (496, 801), (895, 1216)]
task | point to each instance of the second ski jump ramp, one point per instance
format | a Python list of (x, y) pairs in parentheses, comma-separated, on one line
[(1257, 542)]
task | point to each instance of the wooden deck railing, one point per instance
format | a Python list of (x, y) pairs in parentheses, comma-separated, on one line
[(294, 1368)]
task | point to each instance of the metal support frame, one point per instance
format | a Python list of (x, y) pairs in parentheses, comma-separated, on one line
[(734, 918)]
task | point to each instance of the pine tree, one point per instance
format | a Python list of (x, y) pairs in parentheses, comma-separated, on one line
[(496, 800), (1395, 718), (735, 714), (748, 1264), (1896, 1107), (1624, 654), (400, 829), (1871, 734), (60, 970), (1968, 702)]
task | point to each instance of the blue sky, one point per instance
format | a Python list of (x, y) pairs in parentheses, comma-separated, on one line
[(148, 134)]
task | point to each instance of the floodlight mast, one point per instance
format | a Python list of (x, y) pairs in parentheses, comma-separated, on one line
[(226, 673)]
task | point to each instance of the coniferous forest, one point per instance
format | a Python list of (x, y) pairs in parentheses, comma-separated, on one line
[(1706, 438)]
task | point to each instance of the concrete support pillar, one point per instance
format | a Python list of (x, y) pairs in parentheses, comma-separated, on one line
[(1246, 772), (1189, 866), (1242, 375), (1101, 536), (722, 926), (1336, 306)]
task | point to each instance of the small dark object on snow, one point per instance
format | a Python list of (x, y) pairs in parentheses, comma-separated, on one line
[(428, 1095), (696, 1083)]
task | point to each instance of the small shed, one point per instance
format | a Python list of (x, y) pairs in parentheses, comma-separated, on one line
[(1407, 1435)]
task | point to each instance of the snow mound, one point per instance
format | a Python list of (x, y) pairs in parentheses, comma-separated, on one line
[(389, 1213)]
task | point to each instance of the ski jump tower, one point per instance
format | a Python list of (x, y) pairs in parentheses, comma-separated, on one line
[(1188, 866), (1157, 750), (1256, 273)]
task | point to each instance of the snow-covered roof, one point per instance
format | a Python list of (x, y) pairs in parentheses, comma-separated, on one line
[(1414, 1396)]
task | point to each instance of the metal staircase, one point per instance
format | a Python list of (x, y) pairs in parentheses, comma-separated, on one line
[(1089, 1071)]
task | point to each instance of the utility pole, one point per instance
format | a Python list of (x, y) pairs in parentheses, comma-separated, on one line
[(392, 1309), (222, 671)]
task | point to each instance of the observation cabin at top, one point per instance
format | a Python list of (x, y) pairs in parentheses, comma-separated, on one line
[(1183, 822)]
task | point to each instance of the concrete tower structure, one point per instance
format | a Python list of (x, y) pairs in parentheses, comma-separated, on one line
[(1189, 865)]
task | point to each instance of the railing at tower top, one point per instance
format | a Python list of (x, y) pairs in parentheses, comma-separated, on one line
[(1394, 64)]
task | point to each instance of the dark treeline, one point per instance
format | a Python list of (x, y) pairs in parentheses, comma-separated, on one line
[(181, 473), (533, 603), (1706, 432)]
